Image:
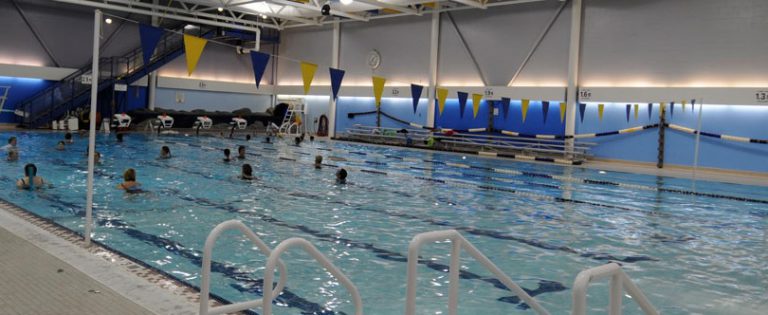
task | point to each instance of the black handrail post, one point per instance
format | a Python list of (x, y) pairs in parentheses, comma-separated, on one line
[(662, 127)]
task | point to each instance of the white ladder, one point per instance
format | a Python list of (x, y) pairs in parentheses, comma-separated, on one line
[(289, 126), (4, 89), (269, 272), (619, 282), (458, 243)]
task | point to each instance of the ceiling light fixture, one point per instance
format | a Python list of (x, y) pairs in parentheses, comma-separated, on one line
[(263, 16), (108, 21), (220, 9), (346, 2)]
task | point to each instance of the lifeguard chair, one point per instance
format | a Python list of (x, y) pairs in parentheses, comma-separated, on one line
[(165, 121), (203, 122), (238, 123), (121, 121)]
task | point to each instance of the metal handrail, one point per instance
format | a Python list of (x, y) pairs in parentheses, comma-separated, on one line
[(268, 294), (619, 282), (458, 242), (205, 285)]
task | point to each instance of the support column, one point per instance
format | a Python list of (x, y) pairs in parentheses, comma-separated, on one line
[(92, 128), (335, 48), (573, 74), (434, 50), (257, 45), (152, 76)]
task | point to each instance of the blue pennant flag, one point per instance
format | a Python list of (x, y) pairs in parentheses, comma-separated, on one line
[(416, 95), (462, 102), (150, 36), (259, 61), (545, 110), (693, 102), (629, 108), (650, 110), (505, 106), (672, 109), (336, 76), (582, 109)]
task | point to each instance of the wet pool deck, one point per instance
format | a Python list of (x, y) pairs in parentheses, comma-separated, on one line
[(47, 270)]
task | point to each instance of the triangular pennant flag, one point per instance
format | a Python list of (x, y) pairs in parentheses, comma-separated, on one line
[(193, 48), (600, 109), (693, 105), (442, 94), (582, 109), (378, 88), (149, 36), (336, 76), (416, 95), (629, 109), (563, 106), (650, 110), (505, 106), (545, 110), (637, 111), (462, 102), (524, 107), (683, 104), (662, 109), (476, 98), (672, 109), (307, 74), (259, 61)]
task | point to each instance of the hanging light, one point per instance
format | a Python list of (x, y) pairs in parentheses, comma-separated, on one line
[(346, 2), (108, 21), (220, 9), (263, 16)]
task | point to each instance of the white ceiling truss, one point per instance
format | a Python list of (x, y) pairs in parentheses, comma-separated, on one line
[(250, 15)]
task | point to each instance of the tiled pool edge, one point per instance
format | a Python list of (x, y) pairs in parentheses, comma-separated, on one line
[(150, 288)]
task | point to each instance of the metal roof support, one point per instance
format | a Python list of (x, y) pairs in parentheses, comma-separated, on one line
[(537, 43), (395, 7), (318, 9), (36, 34), (480, 4), (573, 74)]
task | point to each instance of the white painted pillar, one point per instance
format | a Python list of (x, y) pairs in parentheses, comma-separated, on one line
[(92, 127), (573, 73), (336, 47), (257, 45), (434, 50), (151, 90)]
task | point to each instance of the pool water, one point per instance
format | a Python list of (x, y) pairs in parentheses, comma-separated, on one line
[(691, 253)]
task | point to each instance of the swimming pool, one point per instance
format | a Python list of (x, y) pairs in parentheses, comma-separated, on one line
[(702, 252)]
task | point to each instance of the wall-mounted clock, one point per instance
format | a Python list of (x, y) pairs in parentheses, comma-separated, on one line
[(374, 59)]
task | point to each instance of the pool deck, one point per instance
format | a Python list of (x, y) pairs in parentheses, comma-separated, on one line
[(45, 271)]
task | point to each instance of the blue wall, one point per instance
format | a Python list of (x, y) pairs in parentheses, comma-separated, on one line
[(451, 117), (402, 108), (212, 101), (534, 120), (21, 89), (743, 121)]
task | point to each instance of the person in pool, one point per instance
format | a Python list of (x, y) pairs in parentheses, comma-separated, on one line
[(13, 155), (318, 162), (30, 180), (165, 153), (247, 172), (129, 184), (60, 146), (68, 138), (247, 137), (241, 152), (119, 137), (267, 140), (226, 156), (297, 141), (341, 176), (97, 157), (11, 146)]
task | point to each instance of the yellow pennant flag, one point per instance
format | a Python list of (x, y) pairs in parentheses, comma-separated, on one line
[(442, 94), (683, 103), (600, 109), (663, 109), (637, 110), (193, 49), (378, 88), (562, 111), (307, 74), (476, 98), (524, 107)]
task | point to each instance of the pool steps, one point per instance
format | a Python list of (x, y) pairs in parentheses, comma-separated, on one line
[(619, 280)]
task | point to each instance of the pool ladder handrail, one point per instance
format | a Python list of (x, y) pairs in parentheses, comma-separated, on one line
[(205, 285), (458, 242), (619, 282), (273, 260)]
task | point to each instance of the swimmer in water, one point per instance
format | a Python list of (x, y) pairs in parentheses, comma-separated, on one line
[(60, 146), (165, 153), (68, 138), (341, 176), (13, 155), (11, 146), (119, 137), (247, 172), (226, 156), (241, 152), (318, 162), (297, 141), (97, 157), (247, 137), (30, 180), (267, 140), (129, 184)]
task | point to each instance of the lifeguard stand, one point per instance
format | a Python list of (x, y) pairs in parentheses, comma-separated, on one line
[(294, 122)]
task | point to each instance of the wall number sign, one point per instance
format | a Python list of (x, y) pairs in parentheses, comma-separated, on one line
[(395, 91), (761, 96), (488, 92), (585, 94)]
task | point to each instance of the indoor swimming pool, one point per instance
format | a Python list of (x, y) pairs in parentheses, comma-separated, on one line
[(692, 249)]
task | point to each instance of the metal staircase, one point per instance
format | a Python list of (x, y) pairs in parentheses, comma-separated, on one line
[(3, 97), (72, 92)]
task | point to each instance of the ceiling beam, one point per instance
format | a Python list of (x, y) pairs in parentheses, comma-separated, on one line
[(480, 4), (385, 5), (94, 4), (317, 9), (238, 8)]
